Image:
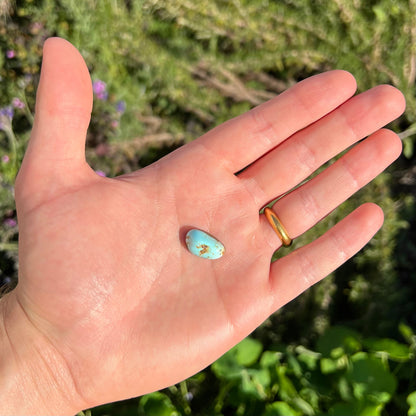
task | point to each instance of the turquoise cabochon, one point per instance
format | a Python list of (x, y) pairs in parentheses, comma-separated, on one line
[(204, 245)]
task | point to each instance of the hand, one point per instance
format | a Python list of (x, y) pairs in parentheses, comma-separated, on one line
[(110, 304)]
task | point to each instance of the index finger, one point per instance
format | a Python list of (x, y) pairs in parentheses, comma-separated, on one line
[(242, 140)]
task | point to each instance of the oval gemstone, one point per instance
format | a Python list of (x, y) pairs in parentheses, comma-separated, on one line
[(204, 245)]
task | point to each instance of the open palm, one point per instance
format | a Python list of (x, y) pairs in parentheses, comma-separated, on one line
[(112, 297)]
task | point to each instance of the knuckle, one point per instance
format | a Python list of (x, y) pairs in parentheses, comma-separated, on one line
[(306, 156), (310, 205), (307, 270), (350, 173), (263, 129)]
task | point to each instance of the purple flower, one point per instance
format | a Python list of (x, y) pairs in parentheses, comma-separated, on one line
[(6, 280), (188, 396), (100, 173), (100, 89), (10, 222), (7, 112), (10, 54), (18, 103), (121, 106), (5, 158), (6, 115), (99, 86)]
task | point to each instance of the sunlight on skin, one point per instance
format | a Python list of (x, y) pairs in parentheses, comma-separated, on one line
[(110, 303)]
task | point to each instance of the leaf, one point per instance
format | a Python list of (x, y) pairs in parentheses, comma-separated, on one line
[(157, 404), (328, 365), (255, 382), (336, 337), (287, 390), (308, 357), (227, 368), (311, 396), (280, 409), (247, 351), (269, 359), (395, 350), (260, 377), (411, 401), (406, 332), (408, 148), (355, 409), (294, 365), (380, 13), (233, 362), (344, 389), (370, 379), (305, 408)]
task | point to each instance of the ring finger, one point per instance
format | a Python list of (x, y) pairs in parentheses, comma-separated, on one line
[(304, 207)]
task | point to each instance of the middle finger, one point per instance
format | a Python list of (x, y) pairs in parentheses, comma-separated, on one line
[(295, 159)]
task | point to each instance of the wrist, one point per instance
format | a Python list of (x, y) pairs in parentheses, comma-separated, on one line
[(34, 380)]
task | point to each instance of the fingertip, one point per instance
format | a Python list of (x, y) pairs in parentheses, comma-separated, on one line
[(394, 145), (393, 99), (399, 98), (373, 213), (51, 41), (335, 87), (342, 79), (402, 99), (57, 42), (65, 49), (346, 78), (396, 96), (65, 79)]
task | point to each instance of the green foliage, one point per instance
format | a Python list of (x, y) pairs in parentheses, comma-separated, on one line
[(157, 404), (181, 67), (411, 401), (344, 374)]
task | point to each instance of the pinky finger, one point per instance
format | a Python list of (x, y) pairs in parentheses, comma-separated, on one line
[(296, 272)]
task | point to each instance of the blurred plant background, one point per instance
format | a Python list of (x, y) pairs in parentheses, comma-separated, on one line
[(166, 71)]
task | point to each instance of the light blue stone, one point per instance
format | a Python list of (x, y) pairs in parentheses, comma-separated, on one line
[(203, 245)]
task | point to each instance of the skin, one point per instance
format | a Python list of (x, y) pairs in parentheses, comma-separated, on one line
[(110, 304)]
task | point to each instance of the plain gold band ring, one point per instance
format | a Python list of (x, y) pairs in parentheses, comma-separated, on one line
[(278, 227)]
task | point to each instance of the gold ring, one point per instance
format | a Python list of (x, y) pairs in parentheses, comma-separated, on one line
[(278, 227)]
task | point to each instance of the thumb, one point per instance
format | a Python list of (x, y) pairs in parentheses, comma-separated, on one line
[(55, 156)]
